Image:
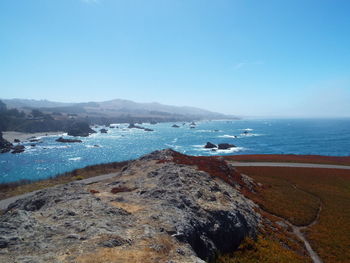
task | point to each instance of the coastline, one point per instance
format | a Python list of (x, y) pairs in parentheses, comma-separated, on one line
[(25, 136)]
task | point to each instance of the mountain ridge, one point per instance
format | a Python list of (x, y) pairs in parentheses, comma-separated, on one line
[(110, 107)]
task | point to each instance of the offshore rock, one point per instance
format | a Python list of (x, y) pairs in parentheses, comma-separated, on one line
[(210, 145), (61, 139), (163, 211), (225, 146), (18, 149), (81, 129)]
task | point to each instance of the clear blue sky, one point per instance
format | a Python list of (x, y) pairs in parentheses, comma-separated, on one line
[(278, 58)]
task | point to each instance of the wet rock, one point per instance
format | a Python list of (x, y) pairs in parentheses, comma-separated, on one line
[(61, 139), (210, 145), (103, 131), (18, 149), (175, 126), (225, 146)]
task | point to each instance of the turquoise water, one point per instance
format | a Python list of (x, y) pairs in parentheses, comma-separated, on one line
[(323, 137)]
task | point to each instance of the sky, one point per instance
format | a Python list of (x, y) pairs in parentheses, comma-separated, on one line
[(244, 57)]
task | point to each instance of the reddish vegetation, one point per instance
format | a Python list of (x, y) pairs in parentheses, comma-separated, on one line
[(299, 205), (344, 160), (94, 191), (215, 166), (120, 189)]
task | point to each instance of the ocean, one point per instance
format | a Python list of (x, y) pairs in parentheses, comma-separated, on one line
[(285, 136)]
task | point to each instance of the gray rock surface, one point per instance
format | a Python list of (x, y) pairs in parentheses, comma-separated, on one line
[(5, 146), (164, 212)]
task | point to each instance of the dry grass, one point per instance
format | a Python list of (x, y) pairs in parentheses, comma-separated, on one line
[(264, 249), (142, 252), (18, 188), (330, 235)]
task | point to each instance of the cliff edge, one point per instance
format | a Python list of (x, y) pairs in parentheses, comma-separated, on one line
[(163, 207)]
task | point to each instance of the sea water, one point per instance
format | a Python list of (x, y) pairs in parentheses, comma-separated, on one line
[(287, 136)]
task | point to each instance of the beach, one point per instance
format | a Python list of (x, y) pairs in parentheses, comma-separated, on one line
[(23, 136)]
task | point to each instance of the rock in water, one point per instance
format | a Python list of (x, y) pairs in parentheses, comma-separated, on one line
[(210, 145), (165, 204), (81, 129), (18, 149), (175, 126), (61, 139), (103, 131), (225, 146)]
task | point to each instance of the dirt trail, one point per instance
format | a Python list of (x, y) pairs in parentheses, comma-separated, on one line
[(297, 230)]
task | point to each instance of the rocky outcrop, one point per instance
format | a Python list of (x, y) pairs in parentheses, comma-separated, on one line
[(157, 209), (18, 149), (5, 146), (210, 145), (103, 131), (175, 126), (61, 139), (133, 126), (81, 129), (225, 146)]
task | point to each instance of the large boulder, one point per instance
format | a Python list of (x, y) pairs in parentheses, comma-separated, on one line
[(80, 129), (225, 146), (210, 145), (5, 146)]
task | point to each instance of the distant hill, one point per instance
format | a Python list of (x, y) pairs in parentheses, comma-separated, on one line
[(118, 107), (29, 103)]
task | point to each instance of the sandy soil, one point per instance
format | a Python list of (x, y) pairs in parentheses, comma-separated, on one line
[(22, 136)]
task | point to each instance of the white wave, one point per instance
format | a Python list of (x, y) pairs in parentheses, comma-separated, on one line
[(250, 135), (206, 130), (93, 146), (75, 159), (228, 136), (53, 147), (247, 129), (232, 150), (51, 135), (173, 146), (216, 151), (174, 141), (198, 146)]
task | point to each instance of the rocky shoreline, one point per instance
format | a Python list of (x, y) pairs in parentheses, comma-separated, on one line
[(160, 208)]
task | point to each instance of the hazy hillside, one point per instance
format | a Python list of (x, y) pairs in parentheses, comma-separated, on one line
[(116, 108)]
